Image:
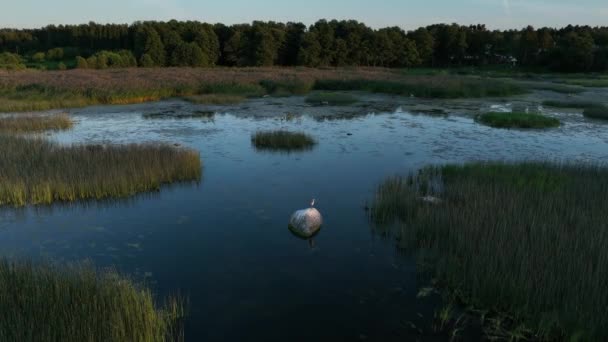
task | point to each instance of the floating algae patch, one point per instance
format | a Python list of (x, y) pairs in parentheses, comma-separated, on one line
[(46, 302), (35, 171)]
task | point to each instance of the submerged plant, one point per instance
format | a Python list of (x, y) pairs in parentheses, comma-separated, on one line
[(45, 302), (282, 141), (527, 240)]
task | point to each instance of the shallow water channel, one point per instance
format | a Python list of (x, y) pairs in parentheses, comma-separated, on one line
[(224, 242)]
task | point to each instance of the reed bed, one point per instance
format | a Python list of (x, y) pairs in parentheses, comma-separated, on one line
[(44, 302), (527, 240), (570, 104), (37, 123), (517, 120), (331, 99), (32, 90), (35, 171), (281, 140), (216, 99), (427, 86)]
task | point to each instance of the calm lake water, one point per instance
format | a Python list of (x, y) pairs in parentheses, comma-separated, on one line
[(224, 242)]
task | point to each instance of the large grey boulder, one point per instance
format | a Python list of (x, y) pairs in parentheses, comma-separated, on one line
[(306, 222)]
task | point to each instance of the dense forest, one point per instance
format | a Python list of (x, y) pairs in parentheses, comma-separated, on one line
[(326, 43)]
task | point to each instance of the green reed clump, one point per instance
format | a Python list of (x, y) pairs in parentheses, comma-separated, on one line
[(287, 87), (427, 87), (216, 99), (517, 120), (569, 104), (38, 123), (528, 240), (589, 82), (35, 171), (331, 99), (281, 140), (547, 86), (44, 302), (596, 112)]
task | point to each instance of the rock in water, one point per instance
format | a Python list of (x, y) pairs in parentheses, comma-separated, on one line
[(306, 223)]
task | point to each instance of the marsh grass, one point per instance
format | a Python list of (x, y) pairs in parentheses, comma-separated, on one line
[(43, 90), (45, 302), (331, 99), (281, 140), (527, 240), (216, 99), (596, 112), (558, 88), (35, 171), (517, 120), (570, 104), (37, 123), (427, 87), (590, 82), (200, 114)]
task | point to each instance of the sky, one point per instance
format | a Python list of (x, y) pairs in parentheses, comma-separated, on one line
[(408, 14)]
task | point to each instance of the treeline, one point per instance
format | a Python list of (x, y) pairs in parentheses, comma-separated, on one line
[(326, 43)]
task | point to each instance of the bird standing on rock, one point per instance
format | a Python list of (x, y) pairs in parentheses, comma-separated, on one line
[(306, 222)]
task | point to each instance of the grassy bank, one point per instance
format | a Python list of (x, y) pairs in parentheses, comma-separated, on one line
[(35, 171), (42, 90), (517, 120), (282, 141), (31, 123), (527, 240), (78, 303), (427, 86)]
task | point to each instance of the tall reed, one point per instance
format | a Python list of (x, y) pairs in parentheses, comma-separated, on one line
[(35, 171), (529, 239), (45, 302)]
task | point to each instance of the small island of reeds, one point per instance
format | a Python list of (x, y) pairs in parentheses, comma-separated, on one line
[(596, 112), (517, 120), (281, 140), (36, 171), (46, 302)]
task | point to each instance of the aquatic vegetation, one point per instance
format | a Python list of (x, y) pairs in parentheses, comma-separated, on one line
[(202, 114), (216, 99), (331, 99), (527, 240), (281, 140), (37, 123), (45, 302), (558, 88), (569, 104), (427, 86), (517, 120), (35, 171), (590, 82), (596, 112)]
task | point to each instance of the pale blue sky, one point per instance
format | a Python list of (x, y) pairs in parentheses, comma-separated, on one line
[(376, 13)]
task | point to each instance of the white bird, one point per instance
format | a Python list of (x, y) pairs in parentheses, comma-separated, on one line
[(306, 222)]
